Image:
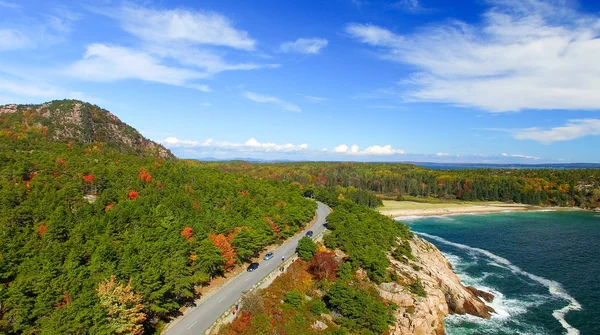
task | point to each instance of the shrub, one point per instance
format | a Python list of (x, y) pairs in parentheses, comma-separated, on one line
[(417, 288), (318, 307), (252, 303), (323, 265), (293, 298), (306, 248), (403, 250)]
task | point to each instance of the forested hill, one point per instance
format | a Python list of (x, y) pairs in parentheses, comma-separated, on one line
[(575, 187), (76, 122), (97, 239)]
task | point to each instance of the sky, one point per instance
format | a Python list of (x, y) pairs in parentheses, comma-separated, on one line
[(484, 81)]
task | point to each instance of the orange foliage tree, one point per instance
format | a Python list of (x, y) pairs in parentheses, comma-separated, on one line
[(42, 229), (227, 252), (187, 232), (273, 225), (323, 265), (124, 307), (144, 175)]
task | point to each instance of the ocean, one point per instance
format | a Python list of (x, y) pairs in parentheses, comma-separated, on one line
[(543, 268)]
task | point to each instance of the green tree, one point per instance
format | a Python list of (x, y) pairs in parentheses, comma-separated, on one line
[(306, 248)]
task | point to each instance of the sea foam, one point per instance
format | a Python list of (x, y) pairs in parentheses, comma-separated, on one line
[(555, 288)]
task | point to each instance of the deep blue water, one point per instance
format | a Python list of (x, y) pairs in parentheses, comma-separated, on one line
[(542, 266)]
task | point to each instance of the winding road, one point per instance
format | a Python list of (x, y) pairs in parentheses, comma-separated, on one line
[(200, 318)]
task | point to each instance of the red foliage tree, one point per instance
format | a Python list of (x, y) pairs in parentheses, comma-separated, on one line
[(273, 225), (132, 195), (60, 161), (89, 178), (144, 175), (227, 252), (187, 232), (323, 265)]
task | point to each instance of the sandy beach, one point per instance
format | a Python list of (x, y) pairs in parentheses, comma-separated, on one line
[(408, 208)]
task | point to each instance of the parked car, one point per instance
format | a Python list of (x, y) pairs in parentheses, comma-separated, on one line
[(268, 256), (252, 267), (309, 233)]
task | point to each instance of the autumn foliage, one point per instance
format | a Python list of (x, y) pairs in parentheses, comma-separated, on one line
[(323, 265), (132, 195), (227, 252), (109, 206), (273, 225), (187, 232), (124, 307), (89, 178), (144, 175), (42, 229)]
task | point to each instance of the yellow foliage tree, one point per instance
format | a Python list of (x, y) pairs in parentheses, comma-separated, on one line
[(124, 307)]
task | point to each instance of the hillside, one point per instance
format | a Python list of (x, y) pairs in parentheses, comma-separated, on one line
[(77, 122), (112, 239)]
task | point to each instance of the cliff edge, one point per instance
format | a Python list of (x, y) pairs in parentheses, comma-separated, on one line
[(443, 293)]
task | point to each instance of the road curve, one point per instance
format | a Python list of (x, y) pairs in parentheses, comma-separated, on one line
[(201, 317)]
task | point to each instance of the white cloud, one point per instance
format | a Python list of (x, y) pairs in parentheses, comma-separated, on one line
[(11, 39), (372, 150), (313, 98), (251, 145), (572, 130), (174, 47), (270, 99), (504, 154), (193, 27), (110, 63), (442, 154), (524, 55), (525, 157), (304, 46)]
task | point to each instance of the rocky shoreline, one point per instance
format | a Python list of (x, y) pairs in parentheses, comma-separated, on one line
[(445, 293)]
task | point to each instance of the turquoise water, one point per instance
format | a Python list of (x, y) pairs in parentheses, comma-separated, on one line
[(543, 268)]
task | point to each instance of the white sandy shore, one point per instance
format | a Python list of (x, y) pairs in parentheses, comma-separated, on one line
[(475, 209)]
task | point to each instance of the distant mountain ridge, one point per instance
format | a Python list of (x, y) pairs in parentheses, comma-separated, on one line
[(78, 122)]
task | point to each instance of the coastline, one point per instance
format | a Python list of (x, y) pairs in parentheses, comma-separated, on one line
[(440, 209)]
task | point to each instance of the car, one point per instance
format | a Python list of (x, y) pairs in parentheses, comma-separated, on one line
[(268, 256), (252, 267), (309, 233)]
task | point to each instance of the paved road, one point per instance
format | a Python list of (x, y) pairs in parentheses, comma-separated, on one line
[(198, 320)]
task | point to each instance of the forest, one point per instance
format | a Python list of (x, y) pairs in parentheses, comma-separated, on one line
[(100, 241), (569, 187)]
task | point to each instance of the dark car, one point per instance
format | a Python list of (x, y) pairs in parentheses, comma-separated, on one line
[(309, 233), (252, 267), (268, 256)]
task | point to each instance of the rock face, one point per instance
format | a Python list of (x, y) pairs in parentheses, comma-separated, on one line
[(78, 122), (445, 293)]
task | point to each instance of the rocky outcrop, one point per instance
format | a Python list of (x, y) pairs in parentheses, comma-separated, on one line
[(78, 122), (444, 292)]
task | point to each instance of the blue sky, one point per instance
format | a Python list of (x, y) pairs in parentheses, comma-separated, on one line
[(498, 81)]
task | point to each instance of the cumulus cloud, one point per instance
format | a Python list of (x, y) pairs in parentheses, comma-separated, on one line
[(108, 63), (372, 150), (251, 145), (572, 130), (304, 46), (174, 47), (524, 55), (442, 154), (273, 100), (411, 6)]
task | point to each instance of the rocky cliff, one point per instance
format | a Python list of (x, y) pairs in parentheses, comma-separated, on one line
[(444, 292), (77, 122)]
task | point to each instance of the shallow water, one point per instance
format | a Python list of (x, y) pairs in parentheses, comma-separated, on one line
[(542, 266)]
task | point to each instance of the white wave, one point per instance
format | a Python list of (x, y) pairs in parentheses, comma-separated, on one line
[(409, 218), (555, 288)]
